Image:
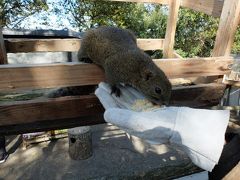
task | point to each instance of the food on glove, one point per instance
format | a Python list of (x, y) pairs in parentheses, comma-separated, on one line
[(144, 105)]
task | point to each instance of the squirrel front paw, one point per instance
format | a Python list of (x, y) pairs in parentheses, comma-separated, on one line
[(115, 90)]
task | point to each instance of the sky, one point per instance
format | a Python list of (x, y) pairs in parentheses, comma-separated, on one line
[(55, 21)]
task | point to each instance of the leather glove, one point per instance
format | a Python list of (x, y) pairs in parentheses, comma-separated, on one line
[(198, 132)]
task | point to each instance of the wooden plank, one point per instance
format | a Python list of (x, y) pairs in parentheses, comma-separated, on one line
[(39, 126), (234, 173), (171, 29), (49, 75), (194, 67), (144, 1), (200, 95), (210, 7), (150, 44), (230, 82), (49, 109), (65, 45), (227, 28), (176, 55), (15, 77), (3, 54), (20, 112), (229, 158)]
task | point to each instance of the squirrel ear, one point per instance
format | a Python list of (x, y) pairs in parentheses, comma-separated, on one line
[(146, 74)]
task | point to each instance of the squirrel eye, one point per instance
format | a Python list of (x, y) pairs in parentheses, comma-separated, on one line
[(158, 90)]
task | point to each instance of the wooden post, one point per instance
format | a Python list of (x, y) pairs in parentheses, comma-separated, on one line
[(171, 29), (80, 142), (227, 28), (234, 173), (3, 54)]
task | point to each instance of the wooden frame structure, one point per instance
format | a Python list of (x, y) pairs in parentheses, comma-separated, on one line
[(44, 114)]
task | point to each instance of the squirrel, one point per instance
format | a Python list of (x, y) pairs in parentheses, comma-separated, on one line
[(116, 51)]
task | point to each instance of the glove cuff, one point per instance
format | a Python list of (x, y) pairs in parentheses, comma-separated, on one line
[(201, 134)]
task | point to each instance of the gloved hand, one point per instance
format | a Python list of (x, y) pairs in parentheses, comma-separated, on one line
[(198, 132)]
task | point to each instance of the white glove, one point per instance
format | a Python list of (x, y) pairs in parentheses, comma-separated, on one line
[(198, 132)]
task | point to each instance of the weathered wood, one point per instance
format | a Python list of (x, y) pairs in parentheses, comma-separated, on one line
[(44, 76), (150, 44), (229, 158), (197, 95), (227, 28), (3, 54), (234, 173), (15, 77), (65, 45), (21, 112), (210, 7), (80, 142), (230, 82), (194, 67), (176, 55), (171, 29), (40, 126), (144, 1), (49, 109)]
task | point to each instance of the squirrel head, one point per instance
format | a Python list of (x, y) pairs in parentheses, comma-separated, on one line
[(153, 83)]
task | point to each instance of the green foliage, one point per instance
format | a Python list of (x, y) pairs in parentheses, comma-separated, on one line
[(89, 13), (195, 34), (236, 44), (12, 12)]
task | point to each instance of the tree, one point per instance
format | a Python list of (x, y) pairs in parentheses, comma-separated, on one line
[(88, 13), (12, 12)]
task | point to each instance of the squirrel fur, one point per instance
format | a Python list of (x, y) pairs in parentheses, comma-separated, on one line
[(116, 51)]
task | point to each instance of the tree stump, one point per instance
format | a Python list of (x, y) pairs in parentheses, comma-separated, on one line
[(80, 142)]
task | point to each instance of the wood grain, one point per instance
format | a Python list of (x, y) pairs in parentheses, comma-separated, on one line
[(176, 55), (37, 110), (15, 77), (144, 1), (49, 109), (3, 54), (210, 7), (227, 28), (65, 45), (171, 29), (194, 67)]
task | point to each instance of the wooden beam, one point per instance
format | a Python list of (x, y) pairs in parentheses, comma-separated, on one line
[(200, 95), (3, 54), (49, 109), (65, 45), (144, 1), (227, 28), (171, 29), (15, 77), (176, 55), (40, 126), (150, 44), (210, 7), (229, 158), (234, 173), (49, 75), (20, 112), (194, 67)]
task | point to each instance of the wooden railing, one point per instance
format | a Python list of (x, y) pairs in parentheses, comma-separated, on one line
[(36, 115)]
